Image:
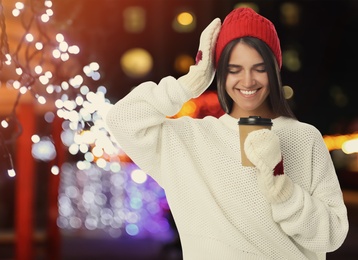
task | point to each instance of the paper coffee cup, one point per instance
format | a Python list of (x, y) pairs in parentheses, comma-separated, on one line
[(247, 125)]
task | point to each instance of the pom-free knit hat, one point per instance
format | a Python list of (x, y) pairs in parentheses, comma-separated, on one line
[(243, 22)]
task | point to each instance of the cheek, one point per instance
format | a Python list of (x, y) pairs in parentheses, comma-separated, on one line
[(228, 87), (267, 92), (263, 79), (230, 82)]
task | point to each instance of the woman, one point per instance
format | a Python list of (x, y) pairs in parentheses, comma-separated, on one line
[(289, 206)]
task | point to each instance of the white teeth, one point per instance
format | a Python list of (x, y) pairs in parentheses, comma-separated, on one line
[(248, 92)]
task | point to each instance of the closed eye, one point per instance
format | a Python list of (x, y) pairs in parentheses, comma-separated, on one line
[(260, 67), (234, 69)]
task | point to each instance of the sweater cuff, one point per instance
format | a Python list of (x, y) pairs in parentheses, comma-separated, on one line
[(286, 191)]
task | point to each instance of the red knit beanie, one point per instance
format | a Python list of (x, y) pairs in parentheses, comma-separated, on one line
[(246, 22)]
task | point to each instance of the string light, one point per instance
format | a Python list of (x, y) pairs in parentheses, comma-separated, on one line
[(6, 158)]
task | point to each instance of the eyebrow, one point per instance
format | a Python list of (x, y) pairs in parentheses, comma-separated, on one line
[(239, 66)]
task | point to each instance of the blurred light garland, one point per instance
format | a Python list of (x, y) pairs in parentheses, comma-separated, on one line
[(104, 190)]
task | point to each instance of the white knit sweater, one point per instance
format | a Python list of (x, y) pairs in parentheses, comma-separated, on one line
[(218, 208)]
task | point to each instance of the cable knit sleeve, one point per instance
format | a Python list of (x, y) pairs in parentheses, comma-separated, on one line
[(315, 216), (136, 121)]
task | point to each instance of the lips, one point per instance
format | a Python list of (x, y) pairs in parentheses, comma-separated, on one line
[(248, 92)]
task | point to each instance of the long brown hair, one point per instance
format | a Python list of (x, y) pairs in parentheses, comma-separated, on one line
[(277, 100)]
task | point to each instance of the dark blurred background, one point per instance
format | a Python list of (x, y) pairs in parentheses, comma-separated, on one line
[(133, 41)]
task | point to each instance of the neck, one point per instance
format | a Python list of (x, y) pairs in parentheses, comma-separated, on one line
[(263, 114)]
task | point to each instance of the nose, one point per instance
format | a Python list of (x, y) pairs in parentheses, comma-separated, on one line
[(247, 79)]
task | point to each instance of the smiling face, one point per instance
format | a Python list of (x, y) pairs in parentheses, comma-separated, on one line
[(247, 83)]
